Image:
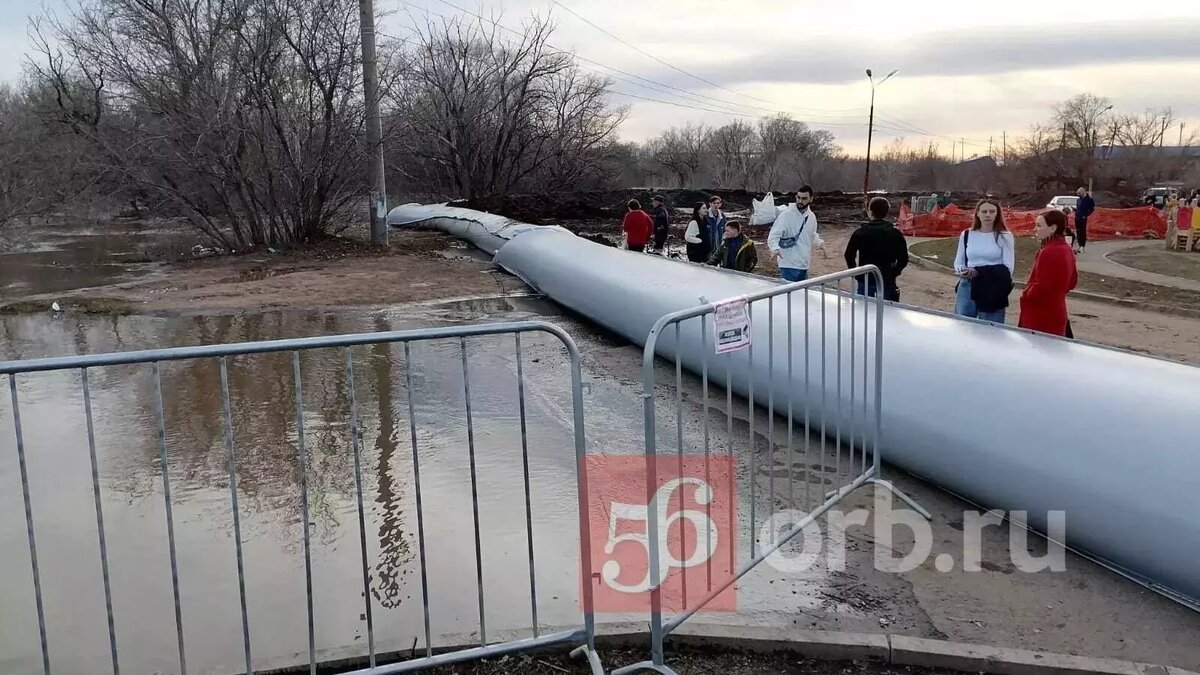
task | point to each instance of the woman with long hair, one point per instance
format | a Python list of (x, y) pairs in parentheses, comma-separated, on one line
[(696, 236), (984, 263), (1044, 301)]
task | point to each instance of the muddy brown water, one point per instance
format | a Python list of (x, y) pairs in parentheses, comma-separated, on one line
[(265, 437), (50, 257)]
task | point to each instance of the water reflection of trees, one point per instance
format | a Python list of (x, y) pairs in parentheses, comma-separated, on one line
[(262, 401)]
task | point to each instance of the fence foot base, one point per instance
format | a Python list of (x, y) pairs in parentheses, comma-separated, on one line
[(912, 504), (592, 657), (645, 666)]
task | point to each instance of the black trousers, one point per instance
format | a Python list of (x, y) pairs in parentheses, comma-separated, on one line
[(637, 247), (660, 238), (1081, 232), (891, 291)]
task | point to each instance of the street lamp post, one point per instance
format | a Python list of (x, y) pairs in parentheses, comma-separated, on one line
[(871, 131)]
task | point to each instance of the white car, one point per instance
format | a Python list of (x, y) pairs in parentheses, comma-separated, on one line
[(1064, 203)]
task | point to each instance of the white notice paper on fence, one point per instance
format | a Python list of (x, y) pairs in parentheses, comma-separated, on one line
[(731, 323)]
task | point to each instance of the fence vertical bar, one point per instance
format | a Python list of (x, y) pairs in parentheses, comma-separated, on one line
[(33, 559), (837, 446), (648, 415), (707, 476), (853, 332), (878, 425), (237, 519), (412, 430), (91, 436), (732, 492), (791, 403), (585, 539), (356, 448), (824, 381), (866, 370), (162, 459), (807, 403), (525, 469), (302, 465), (679, 438), (462, 342), (753, 451), (771, 411)]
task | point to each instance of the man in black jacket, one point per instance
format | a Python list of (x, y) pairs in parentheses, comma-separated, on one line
[(662, 222), (878, 243), (1084, 208)]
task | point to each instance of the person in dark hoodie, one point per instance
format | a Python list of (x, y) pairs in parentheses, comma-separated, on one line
[(662, 222), (736, 251), (878, 243), (1084, 208)]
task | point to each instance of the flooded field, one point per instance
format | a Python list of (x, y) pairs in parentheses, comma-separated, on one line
[(267, 471)]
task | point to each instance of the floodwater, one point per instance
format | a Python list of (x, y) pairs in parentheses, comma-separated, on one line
[(266, 441), (47, 257), (263, 407)]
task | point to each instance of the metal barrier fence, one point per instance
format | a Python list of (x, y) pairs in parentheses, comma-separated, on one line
[(837, 392), (584, 635)]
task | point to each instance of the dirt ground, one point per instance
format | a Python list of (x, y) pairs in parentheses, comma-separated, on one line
[(424, 266), (686, 661), (429, 266)]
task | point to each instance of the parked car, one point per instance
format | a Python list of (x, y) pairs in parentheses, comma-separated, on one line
[(1157, 196), (1064, 203)]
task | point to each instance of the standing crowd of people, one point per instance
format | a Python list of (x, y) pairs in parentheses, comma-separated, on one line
[(984, 262)]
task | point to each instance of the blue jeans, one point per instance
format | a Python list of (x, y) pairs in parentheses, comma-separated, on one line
[(793, 273), (965, 306)]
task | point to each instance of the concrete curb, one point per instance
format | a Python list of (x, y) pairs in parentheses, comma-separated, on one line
[(820, 645), (926, 263), (904, 650)]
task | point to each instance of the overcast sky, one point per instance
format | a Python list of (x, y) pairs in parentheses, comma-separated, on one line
[(967, 69)]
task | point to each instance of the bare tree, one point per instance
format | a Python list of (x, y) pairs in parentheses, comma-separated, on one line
[(789, 149), (477, 114), (681, 150), (246, 115), (734, 146)]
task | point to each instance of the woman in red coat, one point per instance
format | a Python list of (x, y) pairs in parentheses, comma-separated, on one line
[(1044, 302)]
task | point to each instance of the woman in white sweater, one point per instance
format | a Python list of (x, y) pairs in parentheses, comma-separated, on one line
[(696, 235), (987, 243)]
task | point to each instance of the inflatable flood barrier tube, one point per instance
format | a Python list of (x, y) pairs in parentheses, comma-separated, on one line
[(1007, 418)]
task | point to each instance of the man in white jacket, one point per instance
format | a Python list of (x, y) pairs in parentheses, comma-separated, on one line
[(794, 236)]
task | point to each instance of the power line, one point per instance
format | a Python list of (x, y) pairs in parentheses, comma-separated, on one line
[(646, 53), (887, 128), (656, 85), (699, 102)]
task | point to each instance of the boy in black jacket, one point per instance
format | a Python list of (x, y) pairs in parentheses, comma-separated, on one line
[(878, 243)]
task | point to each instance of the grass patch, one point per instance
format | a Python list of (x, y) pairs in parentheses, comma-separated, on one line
[(1155, 258), (942, 252)]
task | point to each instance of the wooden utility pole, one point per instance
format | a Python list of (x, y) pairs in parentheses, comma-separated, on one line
[(375, 166)]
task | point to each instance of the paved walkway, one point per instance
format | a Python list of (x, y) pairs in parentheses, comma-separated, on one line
[(1095, 260)]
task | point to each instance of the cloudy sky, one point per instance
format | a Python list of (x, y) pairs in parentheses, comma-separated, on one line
[(968, 70)]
